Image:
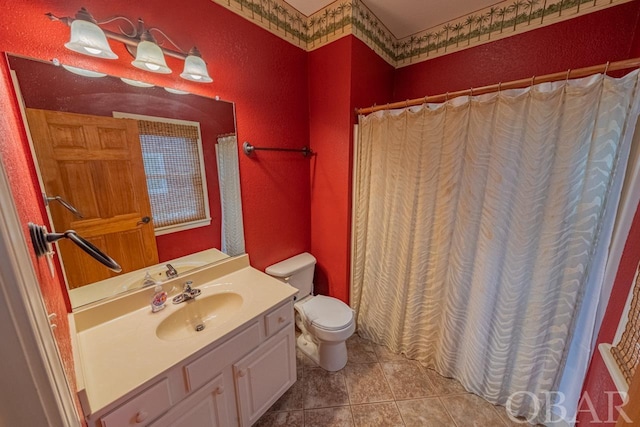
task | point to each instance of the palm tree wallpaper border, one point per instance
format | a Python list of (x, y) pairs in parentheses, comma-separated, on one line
[(341, 18)]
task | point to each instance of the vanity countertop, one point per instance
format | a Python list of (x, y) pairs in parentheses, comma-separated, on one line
[(119, 351)]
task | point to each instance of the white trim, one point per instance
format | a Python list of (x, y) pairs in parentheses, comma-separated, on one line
[(205, 193), (32, 149), (34, 363), (34, 159), (612, 367), (183, 226)]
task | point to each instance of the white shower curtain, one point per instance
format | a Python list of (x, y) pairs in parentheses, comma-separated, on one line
[(475, 225), (230, 200)]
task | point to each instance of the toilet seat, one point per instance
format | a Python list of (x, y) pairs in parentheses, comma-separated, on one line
[(327, 313)]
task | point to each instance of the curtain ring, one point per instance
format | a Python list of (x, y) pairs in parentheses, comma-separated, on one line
[(533, 80), (567, 79), (499, 88), (606, 68), (426, 101), (471, 92), (406, 104), (446, 97)]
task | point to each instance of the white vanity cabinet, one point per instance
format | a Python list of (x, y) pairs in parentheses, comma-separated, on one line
[(264, 375), (226, 384), (206, 407)]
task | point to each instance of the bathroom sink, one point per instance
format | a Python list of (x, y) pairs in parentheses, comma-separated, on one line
[(195, 316)]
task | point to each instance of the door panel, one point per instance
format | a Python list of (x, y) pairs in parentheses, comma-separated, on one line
[(95, 163)]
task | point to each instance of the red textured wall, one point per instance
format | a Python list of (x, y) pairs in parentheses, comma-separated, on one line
[(286, 97), (265, 76), (14, 154), (587, 40), (341, 75), (598, 381), (635, 46), (330, 134)]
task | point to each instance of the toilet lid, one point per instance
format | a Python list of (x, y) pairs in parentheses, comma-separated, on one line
[(328, 313)]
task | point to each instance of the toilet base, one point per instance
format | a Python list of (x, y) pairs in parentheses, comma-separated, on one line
[(330, 356), (310, 349)]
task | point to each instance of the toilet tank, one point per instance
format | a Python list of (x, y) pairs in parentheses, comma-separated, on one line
[(297, 271)]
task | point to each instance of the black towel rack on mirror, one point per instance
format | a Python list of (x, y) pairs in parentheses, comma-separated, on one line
[(40, 239)]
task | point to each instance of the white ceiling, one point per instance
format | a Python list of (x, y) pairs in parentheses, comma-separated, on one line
[(308, 7), (406, 17)]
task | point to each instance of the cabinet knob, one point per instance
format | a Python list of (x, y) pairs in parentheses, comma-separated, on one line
[(141, 416), (242, 373), (220, 390), (281, 319)]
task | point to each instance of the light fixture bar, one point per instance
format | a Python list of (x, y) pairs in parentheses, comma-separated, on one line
[(152, 59), (134, 43)]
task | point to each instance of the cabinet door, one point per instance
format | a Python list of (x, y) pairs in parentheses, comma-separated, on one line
[(204, 408), (264, 375)]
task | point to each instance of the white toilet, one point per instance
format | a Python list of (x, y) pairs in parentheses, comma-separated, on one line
[(325, 322)]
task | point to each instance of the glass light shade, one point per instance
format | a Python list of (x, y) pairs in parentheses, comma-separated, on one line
[(136, 83), (195, 70), (149, 57), (88, 39), (82, 71), (176, 91)]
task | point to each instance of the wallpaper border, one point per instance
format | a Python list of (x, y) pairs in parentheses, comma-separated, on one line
[(341, 18)]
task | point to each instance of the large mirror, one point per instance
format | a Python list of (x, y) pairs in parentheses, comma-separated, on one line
[(130, 168)]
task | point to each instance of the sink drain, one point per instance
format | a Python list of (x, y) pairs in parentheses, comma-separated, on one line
[(199, 327)]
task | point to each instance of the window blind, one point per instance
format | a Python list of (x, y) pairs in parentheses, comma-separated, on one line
[(174, 176)]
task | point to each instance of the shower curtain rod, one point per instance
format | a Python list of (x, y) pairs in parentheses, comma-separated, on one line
[(578, 72)]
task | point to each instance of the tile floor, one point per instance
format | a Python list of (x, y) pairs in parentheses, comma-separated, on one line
[(379, 388)]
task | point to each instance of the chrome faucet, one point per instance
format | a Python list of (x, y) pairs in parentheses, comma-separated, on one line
[(188, 293), (171, 272)]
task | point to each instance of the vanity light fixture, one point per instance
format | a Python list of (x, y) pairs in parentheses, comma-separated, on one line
[(82, 71), (88, 38), (176, 91), (149, 56), (136, 83)]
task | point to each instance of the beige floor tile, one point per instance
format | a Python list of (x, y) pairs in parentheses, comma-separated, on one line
[(444, 386), (299, 372), (281, 419), (502, 411), (386, 355), (366, 383), (377, 415), (328, 417), (324, 389), (407, 380), (469, 410), (304, 361), (424, 413), (292, 399), (360, 350), (299, 357), (370, 382)]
